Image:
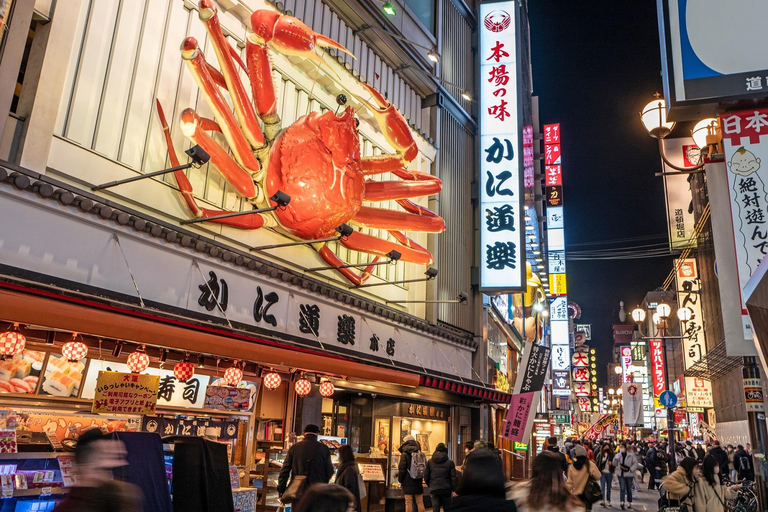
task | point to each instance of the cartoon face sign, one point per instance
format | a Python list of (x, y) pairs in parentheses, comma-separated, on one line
[(744, 162)]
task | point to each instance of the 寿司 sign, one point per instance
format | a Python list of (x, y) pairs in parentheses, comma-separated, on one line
[(502, 246)]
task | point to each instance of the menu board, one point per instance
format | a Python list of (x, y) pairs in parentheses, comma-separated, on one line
[(21, 373), (227, 398)]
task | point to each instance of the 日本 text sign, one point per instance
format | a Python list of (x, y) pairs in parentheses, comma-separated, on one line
[(125, 393), (502, 226)]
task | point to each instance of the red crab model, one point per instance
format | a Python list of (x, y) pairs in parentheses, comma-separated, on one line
[(316, 160)]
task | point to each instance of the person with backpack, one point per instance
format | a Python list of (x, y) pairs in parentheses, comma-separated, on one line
[(626, 464), (410, 474), (652, 463), (308, 462), (604, 463), (743, 463), (347, 475), (441, 478)]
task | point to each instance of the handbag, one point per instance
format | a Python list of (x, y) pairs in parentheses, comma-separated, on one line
[(592, 492), (298, 483)]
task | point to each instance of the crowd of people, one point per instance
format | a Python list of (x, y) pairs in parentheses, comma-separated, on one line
[(573, 477)]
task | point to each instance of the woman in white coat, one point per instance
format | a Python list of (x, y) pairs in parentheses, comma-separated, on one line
[(709, 494), (626, 464)]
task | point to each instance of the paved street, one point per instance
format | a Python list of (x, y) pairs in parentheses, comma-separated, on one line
[(643, 500)]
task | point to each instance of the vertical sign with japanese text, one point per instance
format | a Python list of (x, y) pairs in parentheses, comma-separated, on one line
[(746, 156), (688, 296), (657, 367), (502, 230), (626, 364), (677, 190)]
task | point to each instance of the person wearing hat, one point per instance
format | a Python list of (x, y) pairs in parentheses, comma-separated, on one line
[(413, 488), (309, 459), (579, 473), (441, 478)]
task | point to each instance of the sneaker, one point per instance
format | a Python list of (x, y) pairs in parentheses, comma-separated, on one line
[(608, 503), (622, 506), (629, 506), (602, 503)]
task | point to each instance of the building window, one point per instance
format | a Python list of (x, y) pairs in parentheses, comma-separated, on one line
[(424, 10)]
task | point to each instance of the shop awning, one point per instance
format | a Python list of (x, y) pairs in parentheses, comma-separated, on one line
[(714, 364), (47, 308), (462, 388)]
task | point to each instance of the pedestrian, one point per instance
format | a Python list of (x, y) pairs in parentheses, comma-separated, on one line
[(689, 451), (326, 498), (710, 494), (680, 484), (347, 475), (545, 491), (732, 473), (481, 487), (441, 478), (308, 462), (743, 463), (652, 462), (604, 463), (96, 455), (722, 457), (410, 474), (579, 473), (590, 452), (749, 449), (552, 447), (626, 464), (700, 453), (468, 447)]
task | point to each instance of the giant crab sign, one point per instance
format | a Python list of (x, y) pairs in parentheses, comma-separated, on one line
[(315, 161)]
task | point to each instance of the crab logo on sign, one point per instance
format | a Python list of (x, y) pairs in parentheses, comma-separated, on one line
[(496, 21)]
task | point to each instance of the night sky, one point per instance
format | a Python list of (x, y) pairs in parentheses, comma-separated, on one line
[(595, 65)]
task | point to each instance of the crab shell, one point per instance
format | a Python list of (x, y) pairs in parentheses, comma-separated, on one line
[(316, 161)]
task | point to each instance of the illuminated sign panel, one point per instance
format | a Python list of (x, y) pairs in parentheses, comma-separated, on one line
[(502, 246)]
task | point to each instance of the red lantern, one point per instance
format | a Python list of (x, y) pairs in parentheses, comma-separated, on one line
[(138, 361), (272, 380), (233, 376), (303, 387), (183, 371), (12, 342), (74, 350), (326, 388)]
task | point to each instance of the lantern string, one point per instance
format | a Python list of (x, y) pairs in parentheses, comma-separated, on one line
[(125, 259), (215, 298)]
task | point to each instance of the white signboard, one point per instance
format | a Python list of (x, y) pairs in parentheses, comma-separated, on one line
[(171, 392), (698, 392), (501, 198), (632, 395), (688, 295), (677, 189)]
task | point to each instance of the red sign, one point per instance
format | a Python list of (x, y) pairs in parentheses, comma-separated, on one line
[(582, 388), (581, 374), (518, 415), (622, 334), (552, 134), (580, 359), (552, 154), (746, 123), (657, 367), (528, 160), (554, 175), (679, 415)]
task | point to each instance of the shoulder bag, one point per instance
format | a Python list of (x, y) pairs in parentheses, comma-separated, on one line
[(592, 492), (298, 483)]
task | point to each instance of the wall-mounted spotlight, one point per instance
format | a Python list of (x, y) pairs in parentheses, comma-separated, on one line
[(462, 298), (196, 153), (344, 231), (431, 273), (280, 198)]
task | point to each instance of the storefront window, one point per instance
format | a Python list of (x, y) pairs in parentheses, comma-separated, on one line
[(424, 10)]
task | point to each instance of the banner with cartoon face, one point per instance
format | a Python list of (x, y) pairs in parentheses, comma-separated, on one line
[(745, 138)]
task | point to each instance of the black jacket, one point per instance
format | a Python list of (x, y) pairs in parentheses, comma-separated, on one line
[(346, 477), (482, 502), (563, 460), (722, 458), (605, 458), (743, 473), (440, 475), (410, 486), (297, 463)]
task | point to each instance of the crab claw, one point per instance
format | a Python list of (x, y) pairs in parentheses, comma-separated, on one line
[(392, 123)]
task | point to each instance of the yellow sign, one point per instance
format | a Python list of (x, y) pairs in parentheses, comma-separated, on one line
[(557, 284), (125, 393)]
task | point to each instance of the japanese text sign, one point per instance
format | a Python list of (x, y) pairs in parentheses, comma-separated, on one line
[(745, 139), (657, 367), (597, 428), (517, 426), (125, 393), (501, 199), (534, 368), (689, 296), (626, 363), (561, 383), (677, 190), (698, 392)]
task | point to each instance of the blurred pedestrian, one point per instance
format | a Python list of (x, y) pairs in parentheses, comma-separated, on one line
[(579, 473), (552, 447), (743, 463), (326, 498), (722, 457), (604, 463), (626, 464), (732, 473), (545, 491), (96, 455), (410, 474), (441, 478), (680, 484), (347, 475), (481, 487), (710, 494)]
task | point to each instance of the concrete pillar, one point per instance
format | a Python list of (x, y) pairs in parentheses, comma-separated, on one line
[(59, 36), (10, 62)]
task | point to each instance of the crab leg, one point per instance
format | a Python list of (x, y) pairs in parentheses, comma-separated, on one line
[(185, 187), (373, 245), (333, 260), (240, 147), (407, 242), (243, 106), (417, 184), (240, 180), (380, 218), (260, 74)]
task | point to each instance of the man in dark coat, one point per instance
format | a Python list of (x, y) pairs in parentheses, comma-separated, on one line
[(413, 488), (309, 458), (552, 442), (652, 463), (743, 464), (441, 478), (722, 458)]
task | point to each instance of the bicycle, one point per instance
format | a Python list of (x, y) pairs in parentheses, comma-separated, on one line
[(746, 499)]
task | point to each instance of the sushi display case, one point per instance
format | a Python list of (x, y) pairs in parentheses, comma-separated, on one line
[(34, 481)]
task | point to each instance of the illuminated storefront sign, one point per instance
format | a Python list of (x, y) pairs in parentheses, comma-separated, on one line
[(626, 364), (688, 296), (657, 367), (502, 246)]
